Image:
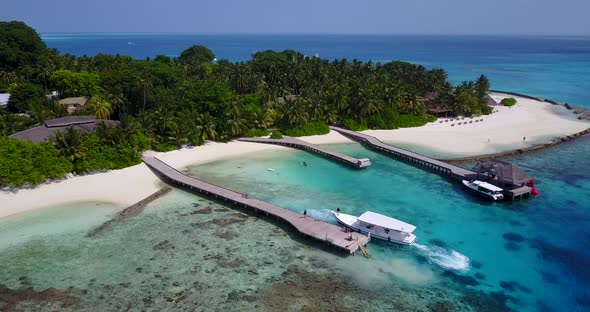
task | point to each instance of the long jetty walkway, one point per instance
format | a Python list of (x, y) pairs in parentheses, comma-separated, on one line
[(420, 160), (415, 158), (306, 146), (308, 226)]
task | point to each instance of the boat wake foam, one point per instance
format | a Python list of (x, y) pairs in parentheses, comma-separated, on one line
[(445, 258)]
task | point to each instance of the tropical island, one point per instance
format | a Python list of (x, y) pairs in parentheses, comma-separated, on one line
[(167, 104)]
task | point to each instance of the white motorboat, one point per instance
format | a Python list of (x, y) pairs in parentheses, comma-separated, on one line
[(379, 226), (485, 189)]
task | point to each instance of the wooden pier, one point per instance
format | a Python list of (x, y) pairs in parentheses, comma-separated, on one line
[(408, 156), (306, 146), (322, 231), (420, 160)]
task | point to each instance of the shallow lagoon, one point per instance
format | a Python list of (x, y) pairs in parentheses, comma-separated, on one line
[(185, 252)]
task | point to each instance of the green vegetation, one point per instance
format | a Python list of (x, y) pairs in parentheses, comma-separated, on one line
[(250, 133), (312, 128), (27, 162), (23, 96), (164, 103), (508, 101), (69, 83), (20, 46), (276, 135), (10, 123)]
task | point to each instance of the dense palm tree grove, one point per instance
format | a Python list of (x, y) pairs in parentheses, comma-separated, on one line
[(193, 98)]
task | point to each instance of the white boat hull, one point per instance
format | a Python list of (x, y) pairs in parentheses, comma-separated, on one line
[(496, 197), (352, 223)]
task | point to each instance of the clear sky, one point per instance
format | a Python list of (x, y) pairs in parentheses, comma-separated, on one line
[(534, 17)]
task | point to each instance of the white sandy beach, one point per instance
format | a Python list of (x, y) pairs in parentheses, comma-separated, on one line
[(539, 122)]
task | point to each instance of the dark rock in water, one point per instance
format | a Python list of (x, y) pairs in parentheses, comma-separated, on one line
[(438, 242), (480, 276), (221, 210), (476, 264), (461, 279), (249, 298), (148, 300), (507, 285), (10, 298), (206, 210), (196, 205), (139, 270), (227, 235), (164, 245), (568, 106), (441, 306), (549, 277), (511, 246), (233, 296), (513, 237), (25, 281), (513, 286), (515, 223), (575, 261)]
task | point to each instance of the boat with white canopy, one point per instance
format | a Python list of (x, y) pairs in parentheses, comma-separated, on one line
[(485, 189), (378, 226)]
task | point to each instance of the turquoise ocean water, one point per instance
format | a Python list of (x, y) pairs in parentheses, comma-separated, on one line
[(186, 253)]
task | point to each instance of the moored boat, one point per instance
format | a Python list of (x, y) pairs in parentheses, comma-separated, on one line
[(485, 189), (378, 226)]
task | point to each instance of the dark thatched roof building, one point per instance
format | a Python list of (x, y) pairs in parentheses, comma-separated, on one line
[(42, 133), (502, 173)]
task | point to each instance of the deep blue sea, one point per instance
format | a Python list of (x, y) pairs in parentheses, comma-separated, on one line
[(551, 67)]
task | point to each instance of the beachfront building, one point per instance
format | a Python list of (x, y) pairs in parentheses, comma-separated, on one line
[(50, 127), (73, 103), (4, 99), (501, 173)]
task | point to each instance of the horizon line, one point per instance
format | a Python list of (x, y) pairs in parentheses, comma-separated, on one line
[(307, 34)]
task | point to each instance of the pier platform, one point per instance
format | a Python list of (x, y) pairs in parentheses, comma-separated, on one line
[(328, 233), (408, 156), (426, 162), (312, 148)]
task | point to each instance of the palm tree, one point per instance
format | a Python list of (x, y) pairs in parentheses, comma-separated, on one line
[(100, 106), (69, 143), (176, 136), (207, 127), (8, 77), (164, 120), (144, 84)]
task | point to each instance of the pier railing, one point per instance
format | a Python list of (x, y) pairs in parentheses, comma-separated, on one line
[(308, 226), (312, 148)]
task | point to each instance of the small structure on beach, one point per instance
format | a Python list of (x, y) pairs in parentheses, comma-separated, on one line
[(502, 173), (434, 107), (4, 99), (73, 104), (51, 126), (490, 100)]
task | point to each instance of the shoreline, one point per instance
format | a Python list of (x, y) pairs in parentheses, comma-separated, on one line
[(551, 123), (522, 151)]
